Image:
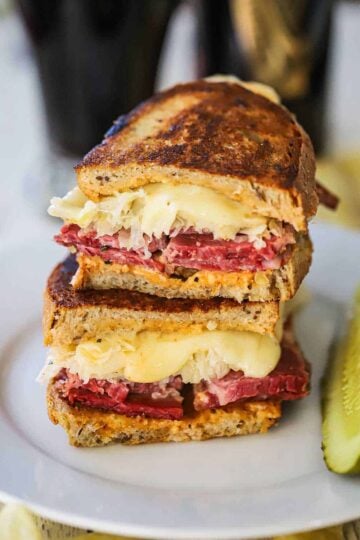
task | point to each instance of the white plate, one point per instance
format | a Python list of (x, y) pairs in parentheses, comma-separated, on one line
[(236, 488)]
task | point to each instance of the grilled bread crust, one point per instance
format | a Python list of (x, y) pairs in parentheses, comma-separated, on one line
[(71, 315), (88, 427), (214, 134), (260, 286)]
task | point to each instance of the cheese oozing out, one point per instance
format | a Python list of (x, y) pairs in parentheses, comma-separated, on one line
[(150, 356), (157, 209)]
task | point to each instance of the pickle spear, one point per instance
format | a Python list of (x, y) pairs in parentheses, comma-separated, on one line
[(341, 402)]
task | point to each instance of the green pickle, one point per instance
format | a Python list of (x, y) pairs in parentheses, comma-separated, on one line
[(341, 402)]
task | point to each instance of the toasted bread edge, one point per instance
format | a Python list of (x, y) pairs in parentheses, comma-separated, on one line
[(87, 427)]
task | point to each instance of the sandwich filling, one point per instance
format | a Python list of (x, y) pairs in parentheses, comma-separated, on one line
[(150, 373), (169, 228), (149, 356), (159, 400)]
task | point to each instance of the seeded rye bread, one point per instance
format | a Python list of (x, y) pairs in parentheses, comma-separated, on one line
[(89, 427), (214, 134), (260, 286), (71, 315)]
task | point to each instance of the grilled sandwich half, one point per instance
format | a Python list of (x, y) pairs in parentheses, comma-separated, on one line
[(204, 190), (130, 367)]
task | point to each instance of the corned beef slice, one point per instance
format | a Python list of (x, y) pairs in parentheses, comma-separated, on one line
[(152, 399), (187, 249), (107, 247), (203, 252), (288, 381)]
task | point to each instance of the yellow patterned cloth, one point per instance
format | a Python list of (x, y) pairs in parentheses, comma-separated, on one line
[(342, 176), (17, 523)]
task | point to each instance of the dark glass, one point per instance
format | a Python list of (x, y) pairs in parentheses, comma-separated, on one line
[(284, 43), (96, 59)]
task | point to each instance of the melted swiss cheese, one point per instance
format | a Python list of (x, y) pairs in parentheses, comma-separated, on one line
[(152, 356), (159, 208)]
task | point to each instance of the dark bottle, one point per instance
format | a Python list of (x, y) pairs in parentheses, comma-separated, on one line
[(96, 59), (283, 43)]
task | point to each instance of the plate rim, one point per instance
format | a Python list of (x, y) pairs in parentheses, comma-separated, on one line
[(163, 533)]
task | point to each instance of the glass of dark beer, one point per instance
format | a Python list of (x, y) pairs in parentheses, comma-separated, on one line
[(96, 59), (283, 43)]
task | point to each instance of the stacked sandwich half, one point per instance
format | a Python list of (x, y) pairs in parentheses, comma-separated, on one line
[(188, 231)]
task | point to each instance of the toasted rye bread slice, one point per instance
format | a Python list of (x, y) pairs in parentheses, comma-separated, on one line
[(89, 427), (214, 134), (71, 315), (261, 286)]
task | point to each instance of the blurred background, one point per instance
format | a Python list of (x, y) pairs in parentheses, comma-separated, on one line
[(68, 68)]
